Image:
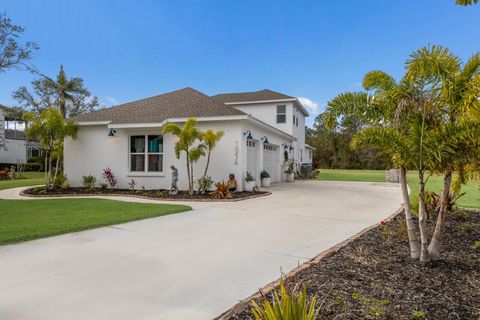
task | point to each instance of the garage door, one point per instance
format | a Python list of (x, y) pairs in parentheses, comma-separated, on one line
[(270, 161), (252, 157)]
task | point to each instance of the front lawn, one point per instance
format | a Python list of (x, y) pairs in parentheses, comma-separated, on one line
[(470, 200), (22, 220), (31, 179)]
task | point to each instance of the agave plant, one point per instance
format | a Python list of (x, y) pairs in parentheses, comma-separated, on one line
[(286, 305), (222, 191)]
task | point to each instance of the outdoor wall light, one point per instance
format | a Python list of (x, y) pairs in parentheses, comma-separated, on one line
[(265, 140), (112, 133), (248, 133), (285, 146), (291, 148)]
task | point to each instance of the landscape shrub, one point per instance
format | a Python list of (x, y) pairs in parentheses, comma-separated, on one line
[(59, 181), (89, 182), (5, 174), (221, 191), (110, 177), (205, 184), (249, 177), (285, 305), (132, 185), (104, 185), (264, 174)]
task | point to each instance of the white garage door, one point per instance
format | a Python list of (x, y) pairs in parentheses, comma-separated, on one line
[(252, 157), (270, 161)]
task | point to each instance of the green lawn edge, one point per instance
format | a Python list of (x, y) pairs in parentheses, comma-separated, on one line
[(26, 220)]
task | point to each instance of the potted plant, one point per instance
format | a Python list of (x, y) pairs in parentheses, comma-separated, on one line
[(289, 172), (265, 176), (249, 182)]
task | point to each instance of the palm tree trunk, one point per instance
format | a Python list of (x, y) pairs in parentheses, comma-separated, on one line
[(191, 180), (422, 220), (57, 164), (188, 174), (49, 170), (412, 230), (435, 244), (46, 168), (206, 170)]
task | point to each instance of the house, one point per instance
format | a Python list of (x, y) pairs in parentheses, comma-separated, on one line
[(13, 147), (259, 127)]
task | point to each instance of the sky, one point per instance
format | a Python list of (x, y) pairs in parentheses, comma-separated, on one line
[(314, 50)]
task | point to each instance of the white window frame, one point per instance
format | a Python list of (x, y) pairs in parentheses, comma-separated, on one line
[(145, 172), (281, 113)]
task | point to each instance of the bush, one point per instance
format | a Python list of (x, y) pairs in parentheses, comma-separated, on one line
[(264, 174), (132, 185), (59, 181), (89, 182), (39, 190), (221, 191), (110, 177), (286, 305), (249, 177), (104, 185), (204, 184), (5, 174)]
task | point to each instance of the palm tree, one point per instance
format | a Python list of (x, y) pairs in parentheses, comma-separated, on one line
[(49, 128), (187, 137), (386, 130), (210, 139), (458, 97), (466, 2), (65, 90)]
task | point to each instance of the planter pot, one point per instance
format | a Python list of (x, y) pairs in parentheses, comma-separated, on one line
[(290, 177), (249, 186), (266, 182)]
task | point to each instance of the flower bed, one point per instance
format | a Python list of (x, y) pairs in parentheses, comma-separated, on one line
[(154, 194), (374, 278)]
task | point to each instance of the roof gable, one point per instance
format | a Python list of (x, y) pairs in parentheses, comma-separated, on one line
[(182, 103)]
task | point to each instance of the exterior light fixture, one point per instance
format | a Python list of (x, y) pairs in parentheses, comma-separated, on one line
[(112, 133), (285, 146), (291, 148), (265, 140), (248, 133)]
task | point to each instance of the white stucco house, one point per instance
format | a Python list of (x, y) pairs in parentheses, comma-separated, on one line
[(13, 147), (259, 126)]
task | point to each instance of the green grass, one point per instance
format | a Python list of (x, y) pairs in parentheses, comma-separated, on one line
[(31, 179), (22, 220), (470, 200)]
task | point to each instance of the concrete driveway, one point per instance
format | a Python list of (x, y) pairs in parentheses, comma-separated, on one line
[(191, 265)]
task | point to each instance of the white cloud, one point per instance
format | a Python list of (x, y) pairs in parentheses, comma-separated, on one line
[(112, 101), (311, 106)]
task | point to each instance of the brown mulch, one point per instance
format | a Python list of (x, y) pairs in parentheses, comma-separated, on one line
[(374, 278), (155, 194)]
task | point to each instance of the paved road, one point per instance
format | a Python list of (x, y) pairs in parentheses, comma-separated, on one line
[(191, 265)]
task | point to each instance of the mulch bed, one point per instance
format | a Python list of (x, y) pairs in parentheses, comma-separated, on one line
[(154, 194), (374, 278)]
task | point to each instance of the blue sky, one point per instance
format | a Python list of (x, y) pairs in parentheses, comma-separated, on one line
[(128, 50)]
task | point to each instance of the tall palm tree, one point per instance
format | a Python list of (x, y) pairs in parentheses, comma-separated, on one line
[(187, 137), (458, 106), (65, 89), (387, 130), (210, 139), (466, 2)]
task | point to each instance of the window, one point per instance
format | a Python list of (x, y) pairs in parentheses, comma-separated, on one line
[(281, 113), (297, 121), (146, 152), (294, 119)]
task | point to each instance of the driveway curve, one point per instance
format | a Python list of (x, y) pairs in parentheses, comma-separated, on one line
[(192, 265)]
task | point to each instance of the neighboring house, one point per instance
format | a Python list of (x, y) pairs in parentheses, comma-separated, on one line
[(258, 126), (13, 147)]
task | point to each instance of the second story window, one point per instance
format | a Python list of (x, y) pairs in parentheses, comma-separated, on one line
[(281, 113)]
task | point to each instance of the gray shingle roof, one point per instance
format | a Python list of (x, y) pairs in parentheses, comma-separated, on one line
[(182, 103), (262, 95)]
